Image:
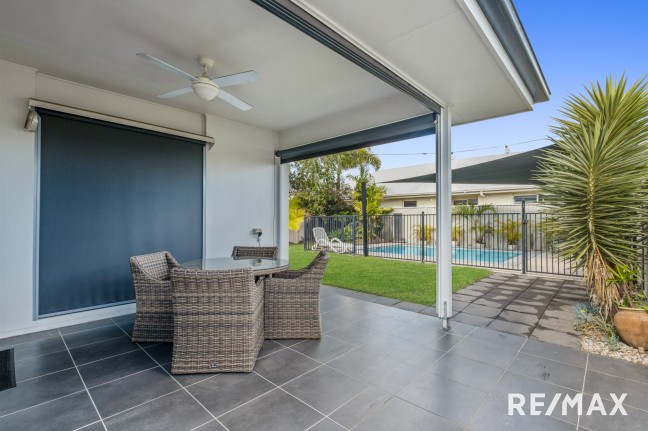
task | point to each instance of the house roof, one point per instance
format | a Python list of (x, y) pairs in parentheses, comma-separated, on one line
[(513, 168), (306, 91), (395, 190)]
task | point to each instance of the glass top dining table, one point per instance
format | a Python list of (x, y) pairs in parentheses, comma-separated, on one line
[(260, 266)]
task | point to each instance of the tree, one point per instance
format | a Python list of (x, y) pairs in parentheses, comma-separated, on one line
[(375, 196), (595, 179), (474, 213), (295, 214), (321, 183)]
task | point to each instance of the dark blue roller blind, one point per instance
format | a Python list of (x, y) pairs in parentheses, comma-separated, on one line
[(109, 192)]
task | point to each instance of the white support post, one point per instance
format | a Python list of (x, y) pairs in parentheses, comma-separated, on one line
[(281, 208), (444, 216)]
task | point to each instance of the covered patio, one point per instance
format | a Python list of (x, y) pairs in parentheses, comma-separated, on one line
[(333, 76), (375, 368)]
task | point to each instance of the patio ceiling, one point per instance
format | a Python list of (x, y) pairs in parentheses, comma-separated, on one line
[(307, 92)]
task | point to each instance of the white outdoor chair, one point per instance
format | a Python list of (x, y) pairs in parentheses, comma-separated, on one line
[(322, 242)]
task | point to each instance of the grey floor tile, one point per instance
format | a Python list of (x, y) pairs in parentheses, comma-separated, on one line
[(495, 355), (524, 318), (409, 306), (189, 379), (87, 325), (97, 426), (268, 347), (380, 323), (95, 335), (325, 389), (226, 391), (34, 336), (38, 347), (327, 425), (386, 301), (102, 350), (459, 305), (423, 333), (290, 342), (213, 425), (472, 319), (41, 365), (491, 303), (425, 358), (556, 352), (398, 378), (67, 413), (39, 390), (122, 394), (466, 371), (482, 310), (324, 349), (518, 384), (284, 366), (429, 311), (161, 352), (459, 328), (177, 411), (397, 414), (350, 414), (635, 420), (355, 334), (510, 327), (549, 371), (520, 306), (125, 318), (274, 411), (618, 367), (555, 337), (497, 338), (605, 384), (364, 365), (493, 416), (105, 370), (446, 398), (394, 347)]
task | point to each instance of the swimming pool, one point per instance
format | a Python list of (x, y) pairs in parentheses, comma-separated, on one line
[(459, 254)]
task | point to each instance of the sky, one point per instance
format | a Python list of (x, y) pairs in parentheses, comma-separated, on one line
[(576, 42)]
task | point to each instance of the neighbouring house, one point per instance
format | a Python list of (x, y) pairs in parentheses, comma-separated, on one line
[(112, 170), (406, 195)]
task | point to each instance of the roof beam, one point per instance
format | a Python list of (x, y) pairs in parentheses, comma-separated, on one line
[(415, 127), (307, 23)]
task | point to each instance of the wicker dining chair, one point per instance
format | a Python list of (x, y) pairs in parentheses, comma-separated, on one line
[(154, 310), (292, 301), (218, 320), (252, 252)]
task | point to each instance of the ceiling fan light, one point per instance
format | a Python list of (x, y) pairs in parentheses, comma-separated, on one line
[(204, 89)]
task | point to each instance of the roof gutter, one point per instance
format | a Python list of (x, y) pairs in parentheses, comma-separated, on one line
[(505, 22)]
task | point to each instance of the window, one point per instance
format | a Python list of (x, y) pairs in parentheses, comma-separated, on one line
[(465, 201), (527, 198), (409, 204), (109, 192)]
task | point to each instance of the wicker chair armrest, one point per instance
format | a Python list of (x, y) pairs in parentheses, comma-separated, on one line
[(290, 274)]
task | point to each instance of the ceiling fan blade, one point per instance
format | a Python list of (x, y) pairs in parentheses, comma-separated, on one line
[(236, 79), (234, 100), (175, 93), (166, 66)]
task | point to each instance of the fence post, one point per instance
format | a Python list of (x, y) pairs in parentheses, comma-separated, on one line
[(365, 222), (306, 238), (422, 236), (354, 234), (524, 238)]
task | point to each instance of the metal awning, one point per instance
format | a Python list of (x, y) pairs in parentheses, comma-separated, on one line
[(518, 168)]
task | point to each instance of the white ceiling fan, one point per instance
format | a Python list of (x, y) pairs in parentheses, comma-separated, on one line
[(204, 86)]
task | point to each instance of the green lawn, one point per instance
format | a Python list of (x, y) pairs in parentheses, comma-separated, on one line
[(408, 281)]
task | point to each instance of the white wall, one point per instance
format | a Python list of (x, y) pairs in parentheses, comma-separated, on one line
[(240, 187), (241, 181)]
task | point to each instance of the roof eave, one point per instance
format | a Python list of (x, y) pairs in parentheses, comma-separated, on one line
[(505, 22)]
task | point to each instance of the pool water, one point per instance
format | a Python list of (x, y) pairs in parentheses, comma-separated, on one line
[(458, 253)]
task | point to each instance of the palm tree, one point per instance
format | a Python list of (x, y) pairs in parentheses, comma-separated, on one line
[(474, 214), (596, 180), (295, 214)]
